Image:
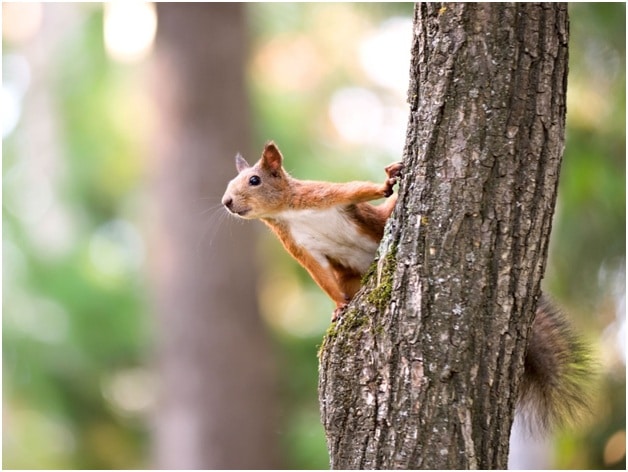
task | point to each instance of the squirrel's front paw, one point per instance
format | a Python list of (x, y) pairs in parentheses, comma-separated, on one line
[(394, 170)]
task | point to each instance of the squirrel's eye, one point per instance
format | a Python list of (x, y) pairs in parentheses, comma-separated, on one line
[(255, 180)]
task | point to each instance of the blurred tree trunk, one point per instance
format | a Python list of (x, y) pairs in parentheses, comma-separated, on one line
[(423, 369), (215, 371)]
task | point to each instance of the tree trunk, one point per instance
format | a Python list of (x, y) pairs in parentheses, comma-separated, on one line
[(423, 369), (217, 399)]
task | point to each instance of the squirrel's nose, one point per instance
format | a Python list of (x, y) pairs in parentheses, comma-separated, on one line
[(227, 201)]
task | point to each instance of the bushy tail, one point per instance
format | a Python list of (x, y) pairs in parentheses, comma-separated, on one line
[(559, 370)]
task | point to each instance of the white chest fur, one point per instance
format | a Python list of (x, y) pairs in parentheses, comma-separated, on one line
[(331, 233)]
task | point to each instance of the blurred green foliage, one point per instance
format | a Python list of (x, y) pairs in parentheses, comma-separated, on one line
[(74, 317), (76, 325)]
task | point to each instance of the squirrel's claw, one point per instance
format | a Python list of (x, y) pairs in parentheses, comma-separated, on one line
[(337, 312), (393, 171)]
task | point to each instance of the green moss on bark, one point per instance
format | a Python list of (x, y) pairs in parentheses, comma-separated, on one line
[(350, 321), (380, 295)]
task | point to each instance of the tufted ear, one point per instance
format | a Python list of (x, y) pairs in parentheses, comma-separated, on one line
[(271, 157), (241, 163)]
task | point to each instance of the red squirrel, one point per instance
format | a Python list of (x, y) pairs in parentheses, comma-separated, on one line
[(329, 228)]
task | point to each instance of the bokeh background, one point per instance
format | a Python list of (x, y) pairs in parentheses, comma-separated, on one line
[(98, 120)]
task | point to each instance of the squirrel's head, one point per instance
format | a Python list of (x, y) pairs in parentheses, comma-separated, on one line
[(258, 191)]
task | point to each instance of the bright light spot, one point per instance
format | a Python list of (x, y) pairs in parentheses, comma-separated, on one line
[(385, 55), (130, 391), (11, 110), (20, 21), (16, 77), (130, 28), (116, 248), (614, 335), (615, 448), (357, 114), (589, 107), (360, 117), (363, 117)]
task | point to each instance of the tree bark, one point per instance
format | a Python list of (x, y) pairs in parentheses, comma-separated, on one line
[(423, 369), (217, 393)]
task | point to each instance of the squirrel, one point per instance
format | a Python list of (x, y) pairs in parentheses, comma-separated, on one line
[(333, 231), (330, 228)]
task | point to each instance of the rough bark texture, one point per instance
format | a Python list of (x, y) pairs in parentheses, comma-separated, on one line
[(217, 393), (423, 369)]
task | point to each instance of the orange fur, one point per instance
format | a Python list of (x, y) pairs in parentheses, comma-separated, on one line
[(324, 278), (329, 228)]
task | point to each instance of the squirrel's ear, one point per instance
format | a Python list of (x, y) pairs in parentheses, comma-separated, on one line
[(241, 163), (271, 157)]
